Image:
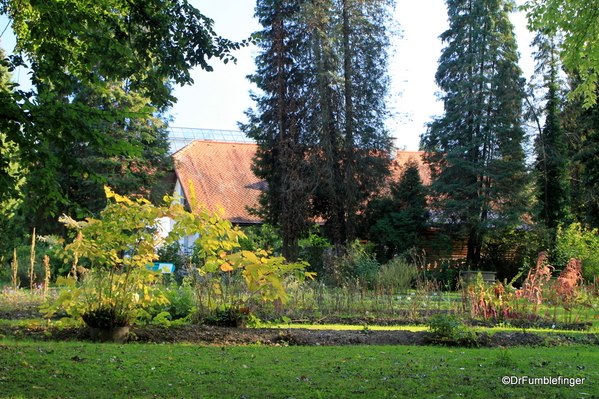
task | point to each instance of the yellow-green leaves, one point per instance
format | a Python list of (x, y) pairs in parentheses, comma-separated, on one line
[(122, 242)]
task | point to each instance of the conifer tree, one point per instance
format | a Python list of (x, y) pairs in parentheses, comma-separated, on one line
[(581, 127), (551, 149), (319, 123), (350, 41), (278, 125), (395, 222), (475, 149)]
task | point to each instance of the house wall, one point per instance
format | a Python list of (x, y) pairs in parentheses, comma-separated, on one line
[(167, 224)]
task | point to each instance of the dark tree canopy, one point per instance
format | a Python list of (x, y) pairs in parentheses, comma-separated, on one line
[(278, 125), (396, 221), (76, 45), (475, 148), (551, 148), (320, 121)]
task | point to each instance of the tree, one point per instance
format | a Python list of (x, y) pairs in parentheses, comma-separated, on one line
[(395, 222), (581, 127), (319, 123), (351, 42), (71, 44), (551, 148), (82, 195), (10, 174), (475, 149), (578, 21), (281, 158)]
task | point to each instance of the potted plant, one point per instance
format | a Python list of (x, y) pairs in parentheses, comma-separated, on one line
[(115, 286)]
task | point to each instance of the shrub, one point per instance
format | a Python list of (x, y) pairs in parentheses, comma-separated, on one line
[(445, 325), (356, 264), (576, 241), (121, 244), (312, 250), (448, 329), (397, 275)]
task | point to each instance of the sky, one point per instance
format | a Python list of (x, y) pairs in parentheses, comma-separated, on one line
[(218, 99)]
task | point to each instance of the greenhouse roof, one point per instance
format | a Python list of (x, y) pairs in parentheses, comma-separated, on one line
[(179, 137)]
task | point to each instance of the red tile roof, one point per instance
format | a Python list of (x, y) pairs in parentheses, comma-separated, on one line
[(403, 157), (221, 175)]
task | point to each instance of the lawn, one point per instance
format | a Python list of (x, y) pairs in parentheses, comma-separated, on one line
[(77, 369)]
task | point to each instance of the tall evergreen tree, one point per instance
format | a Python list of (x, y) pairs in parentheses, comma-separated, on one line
[(278, 124), (551, 149), (319, 123), (581, 126), (475, 149), (396, 221), (350, 43)]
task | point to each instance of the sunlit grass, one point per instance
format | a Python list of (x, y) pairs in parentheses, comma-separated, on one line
[(349, 327)]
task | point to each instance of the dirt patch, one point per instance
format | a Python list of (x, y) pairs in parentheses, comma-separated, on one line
[(223, 336)]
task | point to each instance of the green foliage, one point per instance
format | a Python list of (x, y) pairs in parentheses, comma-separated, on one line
[(475, 149), (396, 222), (181, 301), (577, 21), (447, 329), (24, 261), (176, 254), (218, 253), (121, 244), (582, 131), (263, 236), (445, 326), (77, 46), (139, 175), (397, 276), (277, 125), (118, 247), (507, 250), (313, 249), (357, 264), (319, 123), (552, 164), (576, 241)]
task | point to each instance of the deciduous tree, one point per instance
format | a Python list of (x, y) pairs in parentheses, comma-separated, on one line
[(577, 20), (147, 44)]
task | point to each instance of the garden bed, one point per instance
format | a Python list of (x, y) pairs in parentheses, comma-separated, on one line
[(224, 336)]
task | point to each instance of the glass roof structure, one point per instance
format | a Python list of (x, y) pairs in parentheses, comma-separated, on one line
[(179, 137)]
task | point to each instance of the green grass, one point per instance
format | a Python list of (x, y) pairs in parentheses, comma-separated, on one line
[(77, 370)]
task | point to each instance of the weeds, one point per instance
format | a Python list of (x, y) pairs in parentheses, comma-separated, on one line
[(536, 281)]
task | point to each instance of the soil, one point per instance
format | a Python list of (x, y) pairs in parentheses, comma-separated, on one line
[(228, 336)]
